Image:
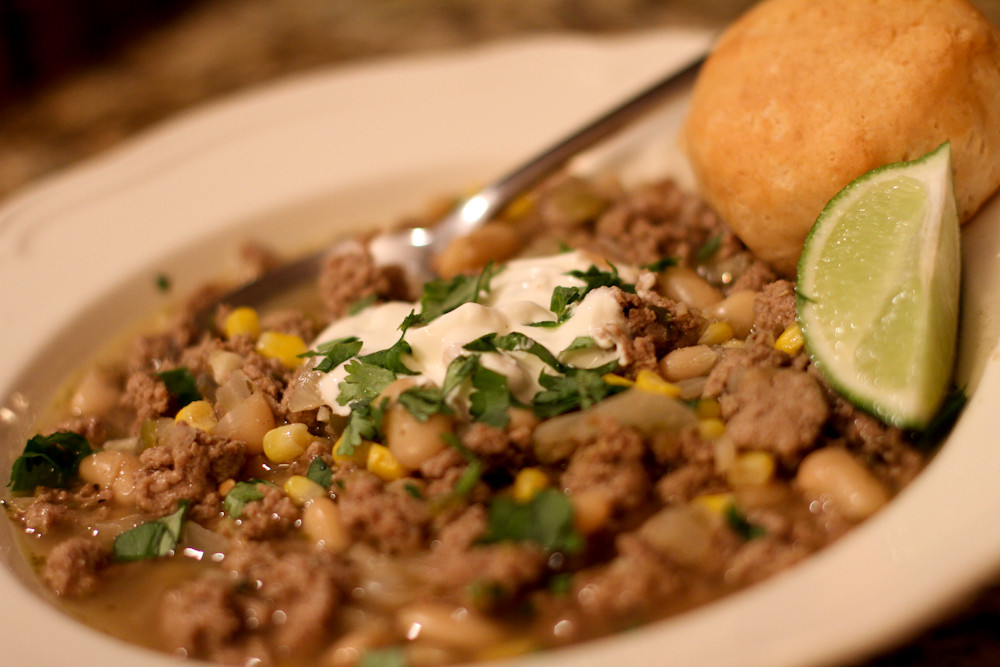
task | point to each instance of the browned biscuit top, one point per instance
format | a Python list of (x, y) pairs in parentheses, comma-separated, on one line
[(802, 96)]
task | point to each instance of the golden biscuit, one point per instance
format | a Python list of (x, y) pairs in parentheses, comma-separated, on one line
[(800, 97)]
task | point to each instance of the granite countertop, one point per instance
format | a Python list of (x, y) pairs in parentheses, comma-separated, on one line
[(216, 47)]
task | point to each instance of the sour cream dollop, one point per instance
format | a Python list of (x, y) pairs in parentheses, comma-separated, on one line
[(519, 295)]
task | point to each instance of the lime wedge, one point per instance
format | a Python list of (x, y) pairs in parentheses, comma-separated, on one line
[(877, 289)]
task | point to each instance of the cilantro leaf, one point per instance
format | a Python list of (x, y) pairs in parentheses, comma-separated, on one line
[(334, 352), (491, 399), (577, 388), (240, 495), (363, 382), (392, 656), (472, 473), (422, 402), (580, 343), (320, 472), (363, 424), (739, 524), (563, 297), (151, 539), (443, 296), (546, 520), (181, 384), (469, 477), (459, 369), (48, 460), (660, 264), (391, 358), (710, 247), (513, 342)]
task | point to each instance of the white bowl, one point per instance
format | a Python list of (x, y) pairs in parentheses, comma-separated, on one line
[(293, 163)]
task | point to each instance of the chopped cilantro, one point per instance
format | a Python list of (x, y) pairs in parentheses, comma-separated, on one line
[(472, 473), (240, 495), (320, 472), (513, 342), (181, 384), (334, 352), (459, 369), (363, 382), (577, 388), (422, 402), (580, 343), (163, 282), (469, 477), (391, 358), (443, 296), (564, 298), (491, 399), (561, 583), (739, 524), (710, 247), (661, 264), (413, 490), (363, 424), (546, 520), (393, 656), (48, 460), (151, 539)]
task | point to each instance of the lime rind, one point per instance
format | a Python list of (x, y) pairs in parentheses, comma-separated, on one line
[(878, 285)]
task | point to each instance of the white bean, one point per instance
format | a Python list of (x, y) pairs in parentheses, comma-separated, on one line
[(321, 522), (737, 309), (495, 241), (688, 362), (832, 473), (442, 624), (248, 421), (111, 469), (683, 284), (412, 441), (684, 533)]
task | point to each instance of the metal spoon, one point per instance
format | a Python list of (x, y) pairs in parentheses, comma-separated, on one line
[(413, 248)]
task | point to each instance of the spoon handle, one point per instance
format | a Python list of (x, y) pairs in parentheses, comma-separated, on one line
[(413, 248), (488, 202)]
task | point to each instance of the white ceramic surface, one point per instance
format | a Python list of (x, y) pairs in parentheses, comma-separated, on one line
[(292, 163)]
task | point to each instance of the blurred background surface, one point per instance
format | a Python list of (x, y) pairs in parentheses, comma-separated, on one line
[(79, 76)]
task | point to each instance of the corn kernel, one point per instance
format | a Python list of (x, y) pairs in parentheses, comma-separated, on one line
[(751, 468), (716, 333), (650, 381), (281, 346), (706, 408), (226, 486), (732, 342), (242, 321), (711, 428), (198, 414), (301, 489), (529, 481), (716, 503), (383, 464), (790, 341), (358, 457), (286, 442), (616, 380)]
